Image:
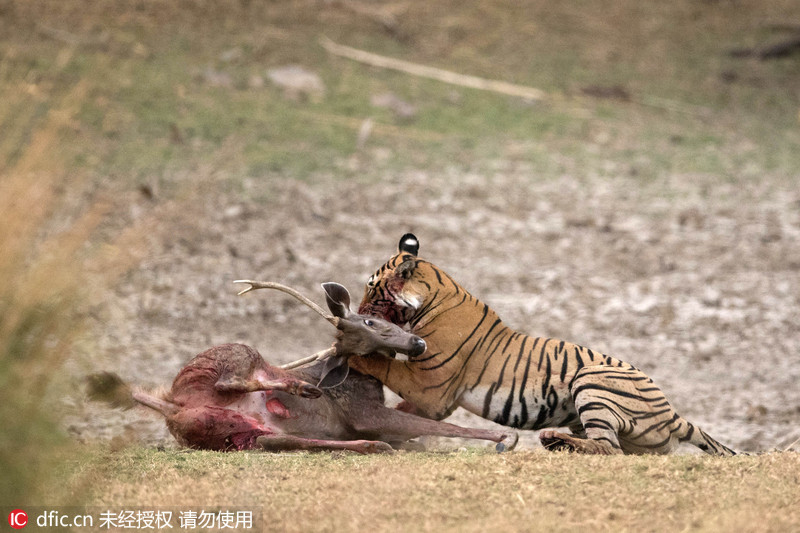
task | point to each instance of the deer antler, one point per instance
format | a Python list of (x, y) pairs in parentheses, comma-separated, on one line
[(324, 354), (288, 290)]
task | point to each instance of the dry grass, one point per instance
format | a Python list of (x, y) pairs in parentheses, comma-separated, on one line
[(466, 491), (179, 85), (46, 262), (37, 319)]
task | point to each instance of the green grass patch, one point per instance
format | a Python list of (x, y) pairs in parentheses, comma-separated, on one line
[(173, 88)]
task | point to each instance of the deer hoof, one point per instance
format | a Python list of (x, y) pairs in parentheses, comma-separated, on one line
[(375, 446), (310, 391), (507, 444)]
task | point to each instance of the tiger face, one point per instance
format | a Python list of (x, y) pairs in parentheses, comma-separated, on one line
[(397, 290)]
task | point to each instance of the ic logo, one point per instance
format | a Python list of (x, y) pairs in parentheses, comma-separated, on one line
[(18, 518)]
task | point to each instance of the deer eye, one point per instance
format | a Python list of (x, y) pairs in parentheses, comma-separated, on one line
[(369, 323)]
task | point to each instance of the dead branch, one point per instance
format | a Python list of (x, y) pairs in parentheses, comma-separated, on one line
[(424, 71)]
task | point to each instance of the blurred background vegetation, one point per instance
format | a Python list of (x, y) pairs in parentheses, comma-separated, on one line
[(180, 88), (165, 97)]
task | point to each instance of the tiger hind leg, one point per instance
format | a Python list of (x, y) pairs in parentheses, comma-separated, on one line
[(623, 411), (697, 437), (621, 408), (626, 400)]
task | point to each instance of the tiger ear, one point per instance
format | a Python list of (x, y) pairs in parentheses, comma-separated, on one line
[(407, 267), (409, 244)]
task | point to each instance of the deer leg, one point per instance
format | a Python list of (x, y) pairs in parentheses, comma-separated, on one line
[(276, 443), (393, 425), (408, 407), (245, 371), (288, 385)]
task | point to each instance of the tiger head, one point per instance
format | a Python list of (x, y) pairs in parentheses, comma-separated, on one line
[(399, 288)]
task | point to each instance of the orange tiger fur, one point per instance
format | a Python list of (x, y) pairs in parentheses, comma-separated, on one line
[(474, 361)]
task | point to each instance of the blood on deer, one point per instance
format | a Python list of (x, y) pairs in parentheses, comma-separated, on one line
[(229, 398)]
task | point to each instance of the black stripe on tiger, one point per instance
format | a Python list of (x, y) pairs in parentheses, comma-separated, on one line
[(475, 361)]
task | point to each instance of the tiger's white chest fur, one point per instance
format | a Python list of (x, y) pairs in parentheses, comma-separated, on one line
[(525, 410)]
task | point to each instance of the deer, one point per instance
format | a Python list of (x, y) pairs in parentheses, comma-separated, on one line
[(229, 398)]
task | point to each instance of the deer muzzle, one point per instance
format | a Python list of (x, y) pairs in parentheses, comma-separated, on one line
[(418, 347)]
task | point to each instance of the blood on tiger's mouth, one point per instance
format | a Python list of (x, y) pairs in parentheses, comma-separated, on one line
[(385, 311)]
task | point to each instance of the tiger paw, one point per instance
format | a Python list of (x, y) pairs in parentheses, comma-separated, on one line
[(555, 441)]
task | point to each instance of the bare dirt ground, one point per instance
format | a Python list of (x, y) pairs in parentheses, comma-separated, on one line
[(697, 282)]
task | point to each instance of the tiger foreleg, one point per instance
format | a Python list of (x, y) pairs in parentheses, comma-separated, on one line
[(401, 378), (555, 441)]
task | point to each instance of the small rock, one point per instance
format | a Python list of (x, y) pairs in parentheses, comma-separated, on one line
[(297, 82), (233, 211)]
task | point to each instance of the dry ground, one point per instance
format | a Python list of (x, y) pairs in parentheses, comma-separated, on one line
[(695, 281)]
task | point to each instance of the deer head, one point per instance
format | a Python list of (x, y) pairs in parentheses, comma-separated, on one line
[(358, 334)]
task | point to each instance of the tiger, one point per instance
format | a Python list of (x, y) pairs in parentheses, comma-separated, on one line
[(474, 361)]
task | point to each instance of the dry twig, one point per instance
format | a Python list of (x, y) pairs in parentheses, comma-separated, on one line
[(424, 71)]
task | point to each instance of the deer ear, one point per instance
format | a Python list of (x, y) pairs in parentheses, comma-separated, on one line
[(338, 299), (409, 244), (407, 267), (334, 372)]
